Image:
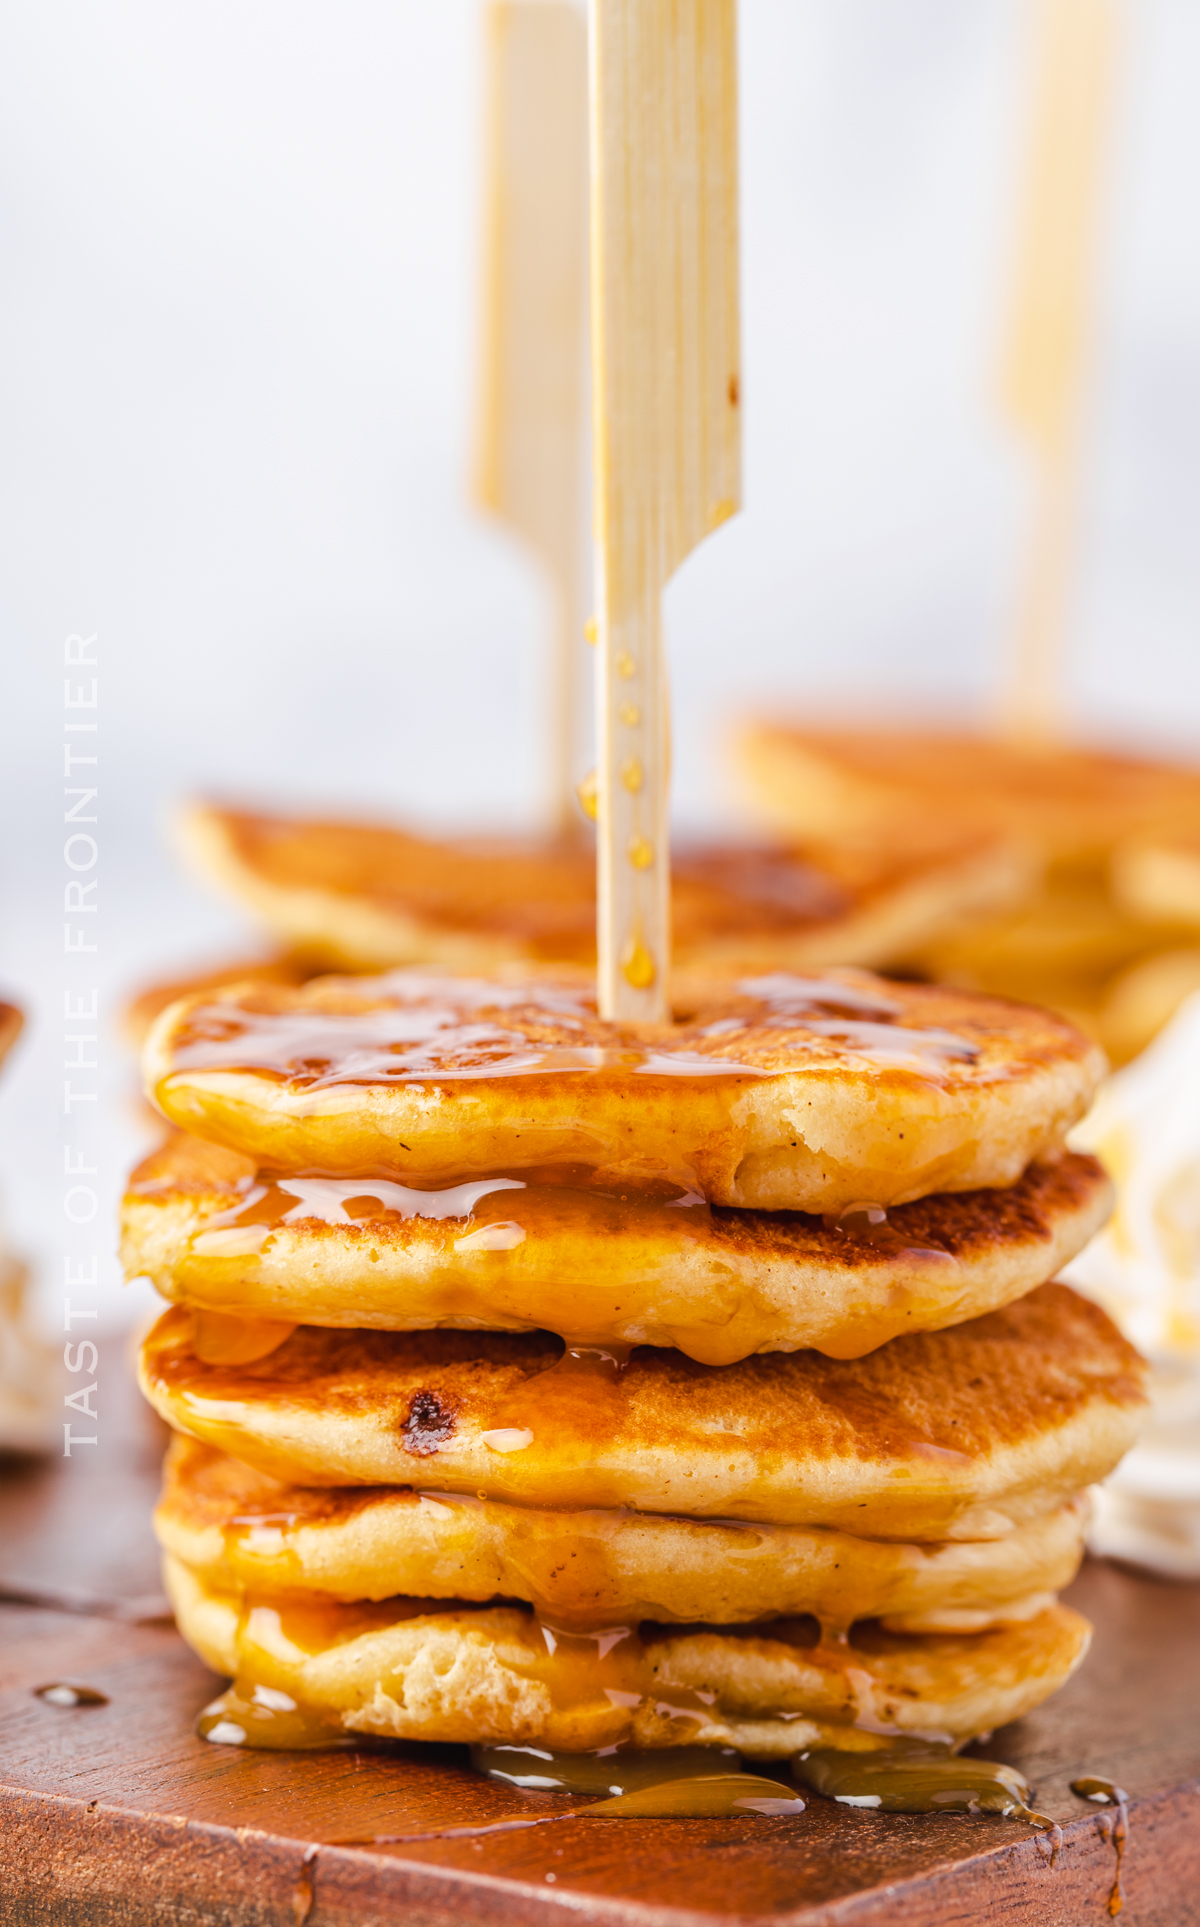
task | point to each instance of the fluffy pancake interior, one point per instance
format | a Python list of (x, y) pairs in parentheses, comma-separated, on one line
[(956, 1434), (774, 1092), (597, 1261), (247, 1533), (421, 1669)]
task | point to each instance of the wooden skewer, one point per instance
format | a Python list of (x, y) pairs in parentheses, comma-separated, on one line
[(1047, 341), (531, 458), (666, 424)]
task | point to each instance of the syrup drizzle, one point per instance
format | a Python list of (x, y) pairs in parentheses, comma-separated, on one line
[(450, 1029)]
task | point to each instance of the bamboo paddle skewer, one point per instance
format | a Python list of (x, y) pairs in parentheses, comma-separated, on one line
[(1045, 351), (531, 459), (666, 433)]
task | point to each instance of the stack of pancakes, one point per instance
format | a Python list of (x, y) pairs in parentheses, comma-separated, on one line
[(548, 1382)]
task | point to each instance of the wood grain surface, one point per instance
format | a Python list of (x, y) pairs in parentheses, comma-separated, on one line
[(118, 1814)]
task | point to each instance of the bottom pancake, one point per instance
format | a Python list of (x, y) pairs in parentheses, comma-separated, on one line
[(420, 1669), (246, 1533)]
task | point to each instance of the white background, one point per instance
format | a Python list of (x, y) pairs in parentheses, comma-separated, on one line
[(236, 378)]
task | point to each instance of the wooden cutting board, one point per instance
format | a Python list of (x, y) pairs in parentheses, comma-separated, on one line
[(118, 1814)]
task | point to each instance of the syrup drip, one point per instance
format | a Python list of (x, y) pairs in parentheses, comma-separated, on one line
[(63, 1693), (1114, 1826), (220, 1339), (303, 1893), (262, 1716), (924, 1779), (1051, 1838), (451, 1029)]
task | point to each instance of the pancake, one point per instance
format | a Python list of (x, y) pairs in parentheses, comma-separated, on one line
[(961, 1434), (598, 1265), (11, 1021), (360, 896), (423, 1670), (243, 1533), (775, 1092), (1158, 879), (1070, 804)]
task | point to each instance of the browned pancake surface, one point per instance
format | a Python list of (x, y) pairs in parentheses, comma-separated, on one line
[(959, 1433), (599, 1263)]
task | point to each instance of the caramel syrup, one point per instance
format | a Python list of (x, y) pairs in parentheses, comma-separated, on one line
[(261, 1716), (610, 1771), (64, 1693), (450, 1029), (918, 1779), (1114, 1825), (717, 1795)]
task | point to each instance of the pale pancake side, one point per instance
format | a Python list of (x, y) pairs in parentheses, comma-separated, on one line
[(598, 1265), (409, 1670), (245, 1533), (775, 1092), (956, 1434)]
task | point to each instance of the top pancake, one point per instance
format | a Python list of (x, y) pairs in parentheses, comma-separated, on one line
[(776, 1092), (1070, 804), (366, 896)]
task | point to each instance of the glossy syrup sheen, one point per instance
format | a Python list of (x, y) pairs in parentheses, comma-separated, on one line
[(444, 1028), (925, 1779)]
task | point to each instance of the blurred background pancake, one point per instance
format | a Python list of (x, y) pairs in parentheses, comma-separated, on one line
[(1094, 934), (345, 894)]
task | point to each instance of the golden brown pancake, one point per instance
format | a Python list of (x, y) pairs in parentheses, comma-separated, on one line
[(243, 1533), (553, 1251), (1158, 879), (774, 1092), (148, 1003), (1102, 938), (961, 1434), (358, 896), (1070, 804), (430, 1670)]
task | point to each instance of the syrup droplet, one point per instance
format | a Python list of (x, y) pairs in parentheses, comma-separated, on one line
[(637, 965), (918, 1780), (641, 852), (64, 1693), (591, 631), (630, 715), (1097, 1788), (588, 792), (261, 1716), (302, 1892), (632, 775), (624, 665)]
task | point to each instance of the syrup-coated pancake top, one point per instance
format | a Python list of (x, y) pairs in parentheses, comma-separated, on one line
[(959, 1433), (599, 1261), (776, 1090)]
